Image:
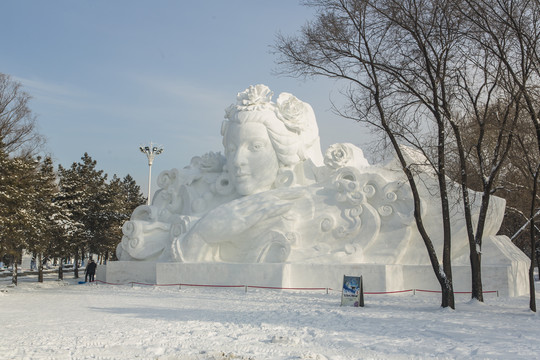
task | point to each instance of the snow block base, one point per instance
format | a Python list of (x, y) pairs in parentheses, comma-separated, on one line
[(508, 280)]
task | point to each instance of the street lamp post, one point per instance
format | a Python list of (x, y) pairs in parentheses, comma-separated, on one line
[(150, 151)]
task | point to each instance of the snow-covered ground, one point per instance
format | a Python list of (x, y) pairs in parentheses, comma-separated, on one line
[(68, 320)]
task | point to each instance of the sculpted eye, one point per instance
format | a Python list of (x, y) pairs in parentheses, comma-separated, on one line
[(257, 146)]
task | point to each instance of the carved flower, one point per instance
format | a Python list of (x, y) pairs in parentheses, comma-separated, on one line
[(167, 178), (255, 95), (291, 111), (349, 192), (229, 112), (212, 162), (209, 162), (338, 155)]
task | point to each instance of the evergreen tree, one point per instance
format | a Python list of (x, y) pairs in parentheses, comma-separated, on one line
[(62, 215), (16, 197), (115, 214), (5, 202), (71, 202), (133, 194), (83, 195), (124, 195), (47, 215)]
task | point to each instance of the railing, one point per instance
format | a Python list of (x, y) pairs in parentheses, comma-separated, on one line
[(246, 287)]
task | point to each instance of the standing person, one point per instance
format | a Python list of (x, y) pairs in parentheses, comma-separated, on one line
[(90, 270)]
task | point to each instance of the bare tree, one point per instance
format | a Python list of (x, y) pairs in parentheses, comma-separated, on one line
[(396, 58), (531, 167), (18, 130), (510, 31), (447, 66), (483, 128)]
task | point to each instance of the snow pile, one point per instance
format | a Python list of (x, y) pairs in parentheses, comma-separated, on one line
[(67, 320)]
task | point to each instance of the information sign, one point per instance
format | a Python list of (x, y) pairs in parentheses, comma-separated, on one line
[(352, 293)]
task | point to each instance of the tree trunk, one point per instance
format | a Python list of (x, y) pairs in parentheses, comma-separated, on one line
[(532, 291), (14, 267), (40, 267), (447, 286), (476, 253), (476, 273), (60, 270), (76, 265), (538, 260), (474, 256)]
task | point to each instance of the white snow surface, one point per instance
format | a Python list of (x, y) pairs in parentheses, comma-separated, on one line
[(68, 320)]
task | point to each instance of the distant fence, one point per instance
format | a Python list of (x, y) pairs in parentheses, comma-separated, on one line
[(246, 287), (23, 273)]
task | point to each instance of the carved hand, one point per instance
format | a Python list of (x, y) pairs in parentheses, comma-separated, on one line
[(232, 219)]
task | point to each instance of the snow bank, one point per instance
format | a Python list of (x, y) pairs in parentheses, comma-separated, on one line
[(63, 320)]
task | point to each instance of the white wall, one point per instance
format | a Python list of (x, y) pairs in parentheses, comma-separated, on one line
[(508, 280)]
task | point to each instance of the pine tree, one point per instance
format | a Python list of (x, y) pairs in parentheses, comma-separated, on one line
[(70, 201), (95, 210), (83, 195), (16, 197), (133, 194), (124, 196), (115, 217), (5, 201), (47, 215)]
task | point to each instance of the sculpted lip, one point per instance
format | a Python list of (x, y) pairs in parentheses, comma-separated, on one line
[(240, 173), (242, 178)]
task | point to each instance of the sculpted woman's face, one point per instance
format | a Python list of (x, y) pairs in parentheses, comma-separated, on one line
[(251, 159)]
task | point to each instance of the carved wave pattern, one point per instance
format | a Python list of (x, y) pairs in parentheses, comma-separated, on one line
[(367, 202), (388, 198)]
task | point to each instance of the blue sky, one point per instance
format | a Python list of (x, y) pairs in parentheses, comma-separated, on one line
[(108, 76)]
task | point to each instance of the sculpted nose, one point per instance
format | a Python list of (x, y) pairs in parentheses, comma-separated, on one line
[(239, 157)]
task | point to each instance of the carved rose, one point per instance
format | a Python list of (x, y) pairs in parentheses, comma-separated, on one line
[(255, 95), (209, 162), (212, 162), (167, 178), (291, 111), (229, 112), (338, 155)]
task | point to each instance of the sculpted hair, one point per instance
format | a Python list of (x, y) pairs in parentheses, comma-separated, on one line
[(286, 143)]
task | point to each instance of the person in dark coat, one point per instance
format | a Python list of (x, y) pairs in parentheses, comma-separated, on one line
[(90, 270)]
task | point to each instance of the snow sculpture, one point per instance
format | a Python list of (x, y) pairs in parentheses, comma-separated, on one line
[(274, 198)]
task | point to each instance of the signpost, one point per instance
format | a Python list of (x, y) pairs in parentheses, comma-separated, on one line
[(352, 293)]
